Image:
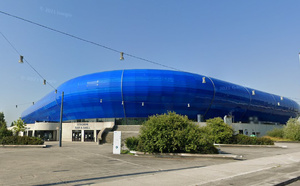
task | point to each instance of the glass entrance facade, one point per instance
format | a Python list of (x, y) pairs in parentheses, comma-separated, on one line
[(88, 135), (76, 135), (46, 135)]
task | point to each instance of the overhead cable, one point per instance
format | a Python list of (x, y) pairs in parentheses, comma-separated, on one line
[(87, 41), (24, 59)]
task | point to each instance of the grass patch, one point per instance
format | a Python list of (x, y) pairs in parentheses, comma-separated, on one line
[(126, 152), (277, 138)]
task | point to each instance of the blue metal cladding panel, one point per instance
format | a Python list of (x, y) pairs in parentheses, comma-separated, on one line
[(262, 106), (46, 109), (148, 92), (270, 108), (83, 95), (230, 99), (283, 109), (81, 99)]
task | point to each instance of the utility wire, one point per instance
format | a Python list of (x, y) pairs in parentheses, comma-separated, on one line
[(25, 59), (88, 41), (15, 49), (21, 104), (10, 43)]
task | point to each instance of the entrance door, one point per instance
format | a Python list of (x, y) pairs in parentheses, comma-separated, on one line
[(30, 133), (76, 135), (88, 135), (48, 136)]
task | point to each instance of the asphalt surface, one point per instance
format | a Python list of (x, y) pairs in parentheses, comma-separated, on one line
[(79, 163)]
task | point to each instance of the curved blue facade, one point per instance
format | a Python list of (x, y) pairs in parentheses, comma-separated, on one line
[(141, 93)]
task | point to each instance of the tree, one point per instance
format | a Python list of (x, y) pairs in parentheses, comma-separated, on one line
[(2, 120), (292, 129), (4, 132), (19, 126), (3, 129), (276, 132)]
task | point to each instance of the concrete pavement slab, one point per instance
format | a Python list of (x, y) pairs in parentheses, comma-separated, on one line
[(91, 164), (214, 173)]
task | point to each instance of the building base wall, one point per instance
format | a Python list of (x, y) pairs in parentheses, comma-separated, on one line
[(80, 132), (103, 131), (249, 129)]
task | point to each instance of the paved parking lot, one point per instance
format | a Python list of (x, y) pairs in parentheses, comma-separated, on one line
[(92, 164)]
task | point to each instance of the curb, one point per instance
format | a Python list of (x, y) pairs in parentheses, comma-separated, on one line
[(287, 141), (23, 146), (222, 156), (259, 146), (287, 182), (287, 179)]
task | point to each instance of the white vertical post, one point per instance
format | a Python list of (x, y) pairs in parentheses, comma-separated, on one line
[(117, 142)]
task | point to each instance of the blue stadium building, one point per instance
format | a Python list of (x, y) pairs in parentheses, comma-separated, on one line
[(129, 96)]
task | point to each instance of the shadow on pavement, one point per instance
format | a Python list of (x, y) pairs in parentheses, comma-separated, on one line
[(115, 176)]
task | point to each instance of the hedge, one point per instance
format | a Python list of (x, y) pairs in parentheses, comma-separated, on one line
[(246, 140), (21, 140)]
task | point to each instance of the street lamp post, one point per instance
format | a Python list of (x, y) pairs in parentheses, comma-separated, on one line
[(61, 116)]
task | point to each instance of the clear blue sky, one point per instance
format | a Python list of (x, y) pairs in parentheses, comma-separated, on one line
[(252, 43)]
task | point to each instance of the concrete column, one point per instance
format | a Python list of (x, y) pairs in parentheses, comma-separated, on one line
[(82, 135)]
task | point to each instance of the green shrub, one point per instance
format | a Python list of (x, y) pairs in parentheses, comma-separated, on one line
[(21, 140), (173, 133), (220, 131), (246, 140), (132, 143), (199, 141), (276, 132), (292, 129)]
